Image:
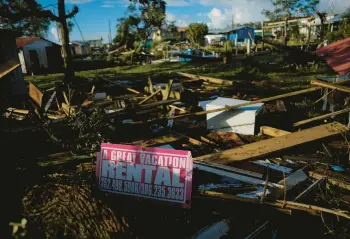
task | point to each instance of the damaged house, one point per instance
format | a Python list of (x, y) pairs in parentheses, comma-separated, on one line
[(38, 55)]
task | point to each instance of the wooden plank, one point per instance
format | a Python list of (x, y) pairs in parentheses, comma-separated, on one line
[(8, 67), (149, 97), (273, 132), (209, 141), (178, 108), (207, 79), (273, 145), (35, 94), (331, 180), (331, 86), (167, 91), (251, 102), (65, 97), (68, 110), (18, 111), (321, 117)]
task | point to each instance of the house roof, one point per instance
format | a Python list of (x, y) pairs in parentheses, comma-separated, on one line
[(182, 29), (80, 43), (227, 30), (337, 55), (23, 41)]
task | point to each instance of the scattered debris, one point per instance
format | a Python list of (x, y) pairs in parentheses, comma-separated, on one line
[(265, 147)]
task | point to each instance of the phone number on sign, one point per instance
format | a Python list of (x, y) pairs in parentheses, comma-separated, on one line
[(142, 189)]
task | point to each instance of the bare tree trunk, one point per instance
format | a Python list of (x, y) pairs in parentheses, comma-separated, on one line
[(67, 55)]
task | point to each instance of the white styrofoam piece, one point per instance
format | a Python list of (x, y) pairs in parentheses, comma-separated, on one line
[(204, 103), (241, 120)]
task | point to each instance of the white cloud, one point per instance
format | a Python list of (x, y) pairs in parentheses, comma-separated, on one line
[(107, 5), (243, 11), (54, 33), (170, 17), (219, 19), (339, 6), (182, 22)]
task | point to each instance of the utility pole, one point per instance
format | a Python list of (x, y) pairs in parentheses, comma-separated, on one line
[(110, 32), (233, 23), (66, 52), (57, 27), (262, 35)]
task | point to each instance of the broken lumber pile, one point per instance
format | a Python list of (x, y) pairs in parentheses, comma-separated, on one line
[(273, 145)]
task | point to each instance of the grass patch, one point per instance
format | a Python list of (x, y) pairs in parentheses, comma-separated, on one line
[(263, 70)]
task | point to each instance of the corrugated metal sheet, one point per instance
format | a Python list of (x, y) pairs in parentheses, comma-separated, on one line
[(337, 55), (23, 41)]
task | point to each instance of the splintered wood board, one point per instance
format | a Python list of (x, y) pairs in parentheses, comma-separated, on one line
[(273, 145), (35, 94), (8, 67)]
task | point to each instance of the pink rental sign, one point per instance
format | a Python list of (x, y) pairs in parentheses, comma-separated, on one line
[(156, 173)]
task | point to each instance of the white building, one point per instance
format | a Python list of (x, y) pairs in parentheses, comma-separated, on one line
[(213, 39), (38, 55)]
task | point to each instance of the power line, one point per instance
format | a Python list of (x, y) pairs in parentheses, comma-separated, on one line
[(81, 33)]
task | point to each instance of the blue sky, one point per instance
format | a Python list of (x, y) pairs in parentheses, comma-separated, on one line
[(94, 15)]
